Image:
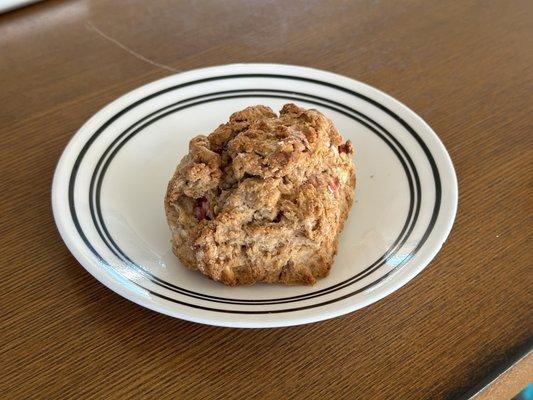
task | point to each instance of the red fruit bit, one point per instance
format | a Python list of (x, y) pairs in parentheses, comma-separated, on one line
[(333, 186), (201, 207), (346, 147)]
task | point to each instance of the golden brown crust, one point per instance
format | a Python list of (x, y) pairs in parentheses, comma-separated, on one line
[(263, 198)]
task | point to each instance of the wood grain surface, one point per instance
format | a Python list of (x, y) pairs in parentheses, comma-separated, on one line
[(465, 66)]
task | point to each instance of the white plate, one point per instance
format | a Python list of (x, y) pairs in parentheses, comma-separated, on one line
[(110, 182)]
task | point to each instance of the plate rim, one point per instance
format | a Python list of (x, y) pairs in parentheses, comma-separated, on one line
[(283, 318)]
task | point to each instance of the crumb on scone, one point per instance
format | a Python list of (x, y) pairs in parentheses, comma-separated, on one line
[(263, 198)]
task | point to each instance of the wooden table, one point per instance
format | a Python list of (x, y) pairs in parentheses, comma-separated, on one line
[(466, 67)]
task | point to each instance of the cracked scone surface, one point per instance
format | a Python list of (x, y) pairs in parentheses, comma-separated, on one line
[(263, 198)]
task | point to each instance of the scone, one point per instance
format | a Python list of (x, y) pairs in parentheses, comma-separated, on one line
[(263, 198)]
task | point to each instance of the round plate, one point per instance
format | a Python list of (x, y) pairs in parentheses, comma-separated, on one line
[(110, 182)]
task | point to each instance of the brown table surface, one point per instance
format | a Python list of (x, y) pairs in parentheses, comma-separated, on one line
[(465, 66)]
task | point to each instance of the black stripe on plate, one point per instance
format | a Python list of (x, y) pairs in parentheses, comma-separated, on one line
[(435, 172), (106, 236)]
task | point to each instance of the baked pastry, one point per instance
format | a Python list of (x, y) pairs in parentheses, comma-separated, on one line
[(263, 198)]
